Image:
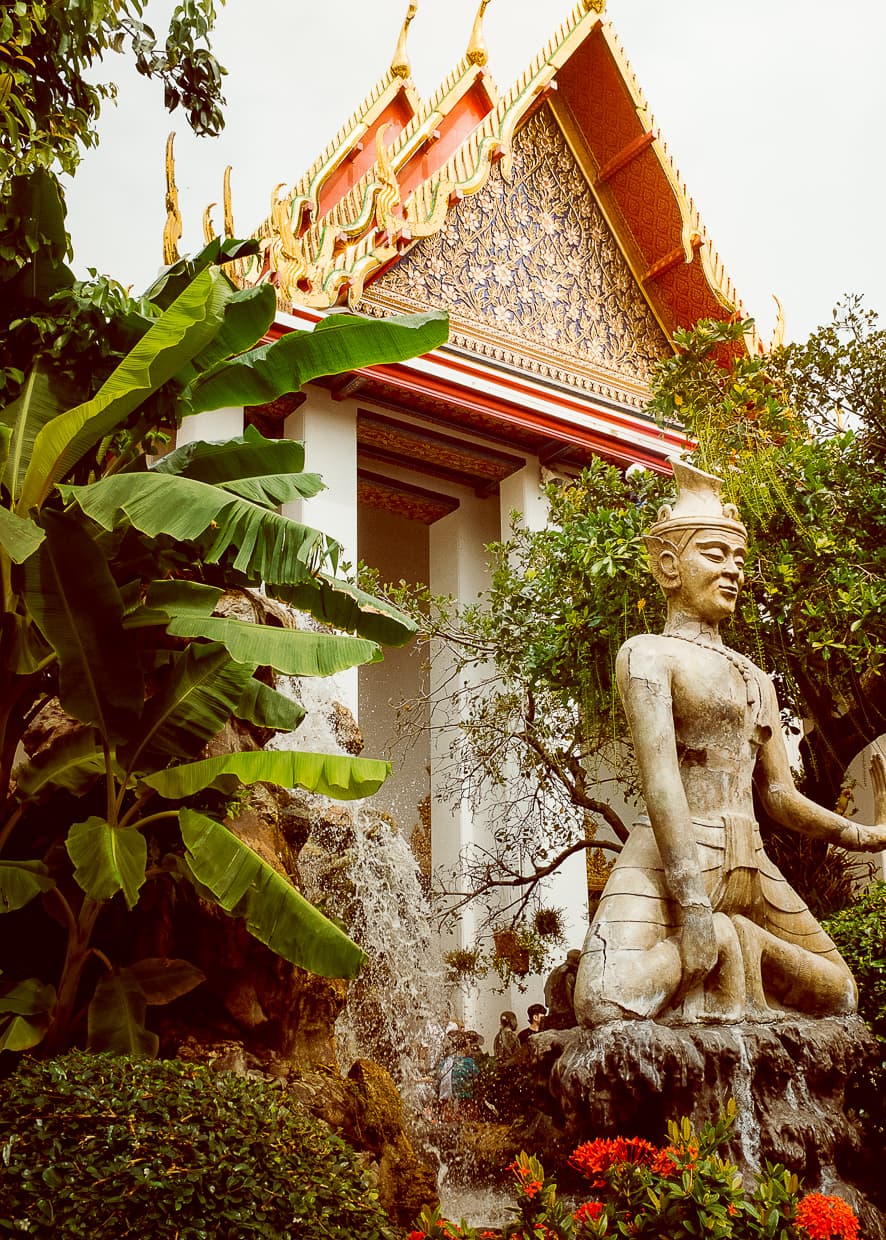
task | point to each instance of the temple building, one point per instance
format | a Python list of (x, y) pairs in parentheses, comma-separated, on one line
[(550, 221)]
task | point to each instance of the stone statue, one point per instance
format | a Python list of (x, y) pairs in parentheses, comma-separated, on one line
[(695, 923)]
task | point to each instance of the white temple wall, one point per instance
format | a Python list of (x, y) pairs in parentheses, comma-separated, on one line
[(328, 429), (458, 568), (398, 548), (213, 426)]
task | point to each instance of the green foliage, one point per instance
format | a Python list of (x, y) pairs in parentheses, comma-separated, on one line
[(48, 53), (800, 439), (110, 1147), (681, 1190), (859, 932), (110, 570)]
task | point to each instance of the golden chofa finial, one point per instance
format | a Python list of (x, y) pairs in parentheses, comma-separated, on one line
[(172, 229), (594, 6), (477, 53), (400, 63), (227, 203)]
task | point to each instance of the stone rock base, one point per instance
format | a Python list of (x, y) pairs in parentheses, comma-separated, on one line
[(788, 1080)]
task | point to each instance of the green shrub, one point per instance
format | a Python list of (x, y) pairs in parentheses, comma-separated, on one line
[(94, 1146), (860, 934)]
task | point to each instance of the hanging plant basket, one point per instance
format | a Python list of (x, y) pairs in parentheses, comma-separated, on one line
[(509, 948)]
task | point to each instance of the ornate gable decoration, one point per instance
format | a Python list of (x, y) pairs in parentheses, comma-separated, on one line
[(531, 275), (400, 169)]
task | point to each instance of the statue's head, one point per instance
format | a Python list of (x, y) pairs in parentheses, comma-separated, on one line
[(697, 547)]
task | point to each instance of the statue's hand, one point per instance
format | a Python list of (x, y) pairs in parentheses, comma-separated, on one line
[(878, 782), (698, 945)]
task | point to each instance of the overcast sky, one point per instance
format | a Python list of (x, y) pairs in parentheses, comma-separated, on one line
[(772, 109)]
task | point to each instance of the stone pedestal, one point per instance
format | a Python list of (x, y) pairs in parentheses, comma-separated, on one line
[(788, 1080)]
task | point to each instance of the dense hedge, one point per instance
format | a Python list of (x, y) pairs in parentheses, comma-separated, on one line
[(94, 1146)]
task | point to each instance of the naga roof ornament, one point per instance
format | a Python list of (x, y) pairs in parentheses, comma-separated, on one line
[(400, 64), (172, 229), (477, 53)]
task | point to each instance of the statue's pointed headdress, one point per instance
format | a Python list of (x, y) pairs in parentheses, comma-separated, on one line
[(698, 507)]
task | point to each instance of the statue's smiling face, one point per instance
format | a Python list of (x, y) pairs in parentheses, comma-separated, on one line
[(709, 573)]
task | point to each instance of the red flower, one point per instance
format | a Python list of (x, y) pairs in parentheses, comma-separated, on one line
[(826, 1218), (595, 1158), (588, 1210), (417, 1235)]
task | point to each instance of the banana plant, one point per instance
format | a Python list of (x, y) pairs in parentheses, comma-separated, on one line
[(111, 570)]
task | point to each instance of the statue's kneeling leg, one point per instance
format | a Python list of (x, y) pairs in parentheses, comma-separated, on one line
[(781, 975), (624, 980)]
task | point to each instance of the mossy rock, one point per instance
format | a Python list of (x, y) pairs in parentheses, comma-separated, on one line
[(102, 1147)]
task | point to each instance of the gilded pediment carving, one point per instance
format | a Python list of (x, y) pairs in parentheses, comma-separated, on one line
[(532, 275)]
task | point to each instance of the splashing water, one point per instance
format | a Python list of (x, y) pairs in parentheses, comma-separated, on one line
[(358, 867)]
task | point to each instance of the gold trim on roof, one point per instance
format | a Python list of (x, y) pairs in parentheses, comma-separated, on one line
[(400, 64), (337, 252), (172, 229), (208, 226)]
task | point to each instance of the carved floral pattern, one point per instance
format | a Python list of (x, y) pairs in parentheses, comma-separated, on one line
[(530, 266)]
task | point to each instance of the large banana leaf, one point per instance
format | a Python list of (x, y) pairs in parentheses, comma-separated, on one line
[(25, 1009), (19, 536), (181, 331), (345, 606), (248, 456), (41, 399), (71, 761), (265, 471), (78, 608), (332, 775), (116, 1018), (164, 978), (165, 599), (107, 859), (294, 652), (20, 882), (267, 708), (171, 281), (248, 315), (202, 687), (270, 547), (275, 912), (348, 342)]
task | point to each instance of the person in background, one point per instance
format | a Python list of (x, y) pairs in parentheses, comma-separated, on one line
[(559, 989), (536, 1013), (506, 1046)]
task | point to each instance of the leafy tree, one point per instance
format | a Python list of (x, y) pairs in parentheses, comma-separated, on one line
[(800, 438), (50, 102)]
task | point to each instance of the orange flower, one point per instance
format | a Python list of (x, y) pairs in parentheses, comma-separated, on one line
[(588, 1209), (826, 1218)]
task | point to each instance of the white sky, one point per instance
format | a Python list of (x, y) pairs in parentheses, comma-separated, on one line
[(772, 109)]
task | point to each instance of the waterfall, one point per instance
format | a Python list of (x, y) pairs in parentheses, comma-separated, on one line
[(358, 868)]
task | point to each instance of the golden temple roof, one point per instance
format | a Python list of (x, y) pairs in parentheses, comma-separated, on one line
[(396, 168)]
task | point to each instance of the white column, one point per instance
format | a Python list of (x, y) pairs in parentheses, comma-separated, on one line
[(328, 429), (521, 492), (567, 889), (457, 568), (212, 426)]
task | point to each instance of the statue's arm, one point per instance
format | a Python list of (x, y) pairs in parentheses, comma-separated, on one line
[(643, 674), (775, 786)]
